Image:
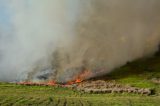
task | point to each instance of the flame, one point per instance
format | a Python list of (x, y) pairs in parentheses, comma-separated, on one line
[(74, 82), (51, 83), (78, 80), (70, 83), (83, 75)]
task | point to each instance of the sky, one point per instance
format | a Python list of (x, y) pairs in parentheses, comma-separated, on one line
[(4, 14)]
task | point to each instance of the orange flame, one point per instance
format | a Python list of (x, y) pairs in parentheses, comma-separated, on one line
[(78, 81), (80, 77), (51, 83), (70, 83), (74, 82)]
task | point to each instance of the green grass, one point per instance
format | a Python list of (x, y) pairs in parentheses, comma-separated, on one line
[(49, 96), (138, 74)]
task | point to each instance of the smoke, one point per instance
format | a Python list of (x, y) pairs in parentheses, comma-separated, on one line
[(59, 40), (37, 29), (114, 33)]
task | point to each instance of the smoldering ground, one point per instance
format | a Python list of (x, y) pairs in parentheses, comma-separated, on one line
[(62, 39)]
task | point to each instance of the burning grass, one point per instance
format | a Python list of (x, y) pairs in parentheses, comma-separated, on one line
[(134, 75), (77, 79), (99, 86)]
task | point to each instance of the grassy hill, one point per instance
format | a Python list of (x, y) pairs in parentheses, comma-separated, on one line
[(138, 73)]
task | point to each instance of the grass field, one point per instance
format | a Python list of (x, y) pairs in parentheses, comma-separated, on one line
[(138, 74)]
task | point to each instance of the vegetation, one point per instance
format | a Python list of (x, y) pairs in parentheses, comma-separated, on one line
[(139, 74)]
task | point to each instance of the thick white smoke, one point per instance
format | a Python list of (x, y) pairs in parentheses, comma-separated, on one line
[(66, 37), (114, 33), (38, 28)]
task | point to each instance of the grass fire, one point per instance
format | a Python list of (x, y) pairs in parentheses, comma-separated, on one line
[(79, 52)]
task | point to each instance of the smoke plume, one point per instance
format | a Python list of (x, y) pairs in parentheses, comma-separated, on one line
[(62, 39)]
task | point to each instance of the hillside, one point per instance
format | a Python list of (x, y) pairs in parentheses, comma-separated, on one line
[(143, 73)]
